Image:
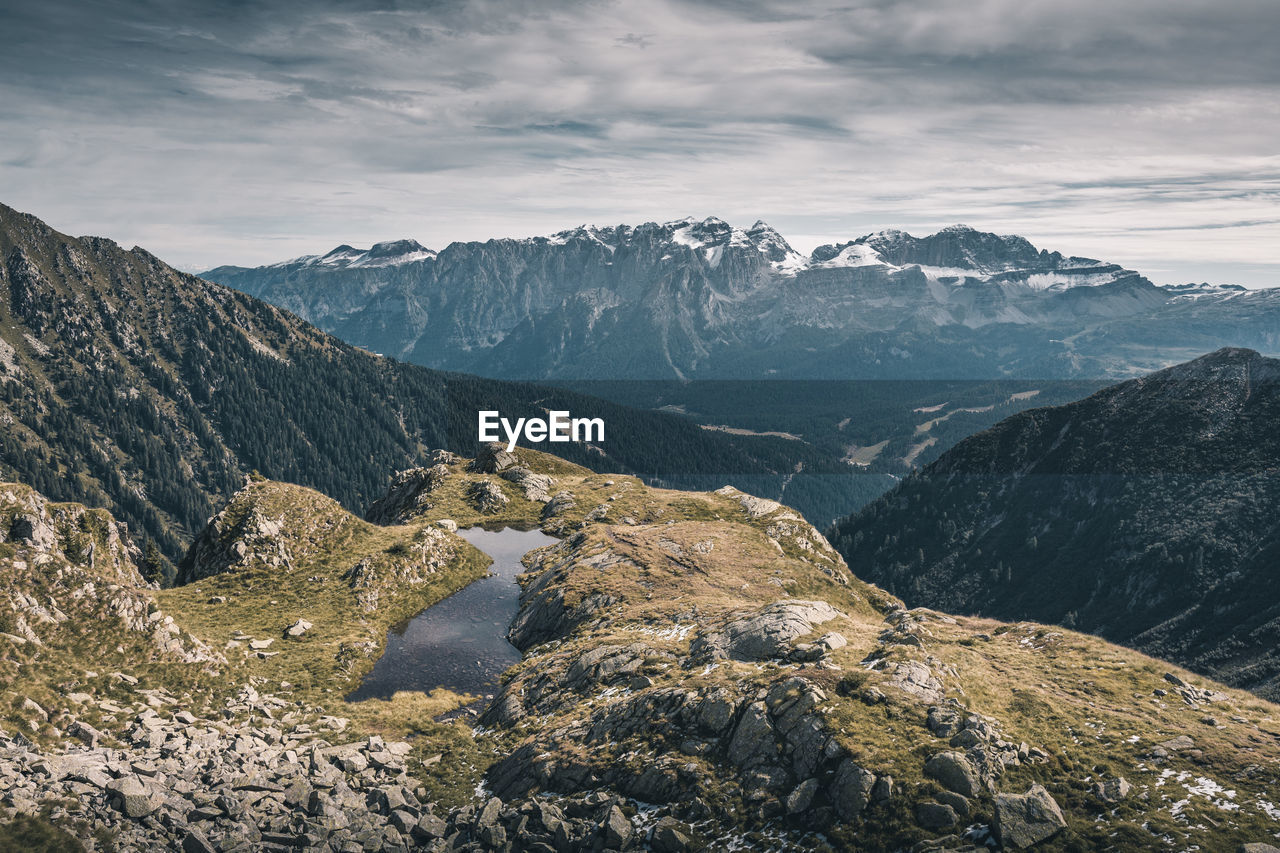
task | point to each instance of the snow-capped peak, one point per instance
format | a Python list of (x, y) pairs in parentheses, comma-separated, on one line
[(386, 254), (771, 244)]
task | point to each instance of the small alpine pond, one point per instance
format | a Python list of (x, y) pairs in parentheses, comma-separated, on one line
[(459, 643)]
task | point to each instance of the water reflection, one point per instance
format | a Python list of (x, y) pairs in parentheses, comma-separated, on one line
[(460, 642)]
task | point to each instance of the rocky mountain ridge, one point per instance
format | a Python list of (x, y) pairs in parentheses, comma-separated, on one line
[(1142, 513), (703, 299)]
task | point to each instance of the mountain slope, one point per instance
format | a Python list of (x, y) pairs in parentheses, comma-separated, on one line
[(702, 299), (1144, 513), (701, 672), (128, 385)]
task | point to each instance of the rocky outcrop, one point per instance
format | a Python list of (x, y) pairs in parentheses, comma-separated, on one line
[(487, 497), (774, 741), (409, 494), (955, 773), (559, 504), (764, 635), (493, 459), (71, 574), (240, 535), (545, 610), (536, 487), (89, 538), (754, 506)]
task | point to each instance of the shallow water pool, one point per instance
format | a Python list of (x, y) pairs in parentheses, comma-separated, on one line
[(461, 642)]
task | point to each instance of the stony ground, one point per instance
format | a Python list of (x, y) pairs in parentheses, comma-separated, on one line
[(701, 672)]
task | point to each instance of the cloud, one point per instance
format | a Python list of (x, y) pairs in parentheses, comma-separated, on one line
[(1142, 132)]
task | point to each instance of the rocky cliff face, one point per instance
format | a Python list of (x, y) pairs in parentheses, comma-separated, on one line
[(1142, 513), (702, 299)]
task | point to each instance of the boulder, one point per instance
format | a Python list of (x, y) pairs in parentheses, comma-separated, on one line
[(195, 842), (917, 680), (954, 772), (429, 827), (670, 836), (851, 789), (493, 458), (447, 524), (1178, 744), (297, 629), (617, 829), (85, 733), (959, 804), (1022, 820), (801, 797), (134, 798), (558, 505), (935, 815), (1112, 790)]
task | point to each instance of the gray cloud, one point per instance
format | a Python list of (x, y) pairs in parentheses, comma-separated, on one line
[(1143, 132)]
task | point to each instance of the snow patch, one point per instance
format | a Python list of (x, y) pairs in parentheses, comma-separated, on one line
[(394, 261), (853, 255)]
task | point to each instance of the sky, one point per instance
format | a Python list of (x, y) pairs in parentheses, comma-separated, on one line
[(1143, 132)]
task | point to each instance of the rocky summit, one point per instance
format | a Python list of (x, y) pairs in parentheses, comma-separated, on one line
[(700, 671)]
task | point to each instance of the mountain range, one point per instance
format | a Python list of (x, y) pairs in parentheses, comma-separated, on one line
[(127, 385), (1144, 513), (702, 299)]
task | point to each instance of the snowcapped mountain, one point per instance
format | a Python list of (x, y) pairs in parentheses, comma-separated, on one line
[(390, 253), (703, 298)]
